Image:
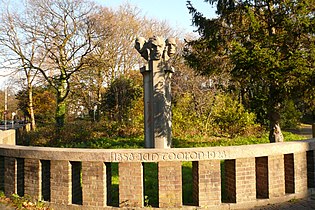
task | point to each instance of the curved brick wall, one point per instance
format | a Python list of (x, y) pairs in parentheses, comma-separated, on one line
[(81, 178)]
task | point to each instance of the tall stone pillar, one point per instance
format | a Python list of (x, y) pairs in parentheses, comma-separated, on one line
[(157, 90), (148, 106), (160, 115)]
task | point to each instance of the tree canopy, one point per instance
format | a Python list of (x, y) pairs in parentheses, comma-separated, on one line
[(76, 48), (56, 37), (266, 46)]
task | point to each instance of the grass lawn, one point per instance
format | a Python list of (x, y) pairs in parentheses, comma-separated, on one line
[(180, 142)]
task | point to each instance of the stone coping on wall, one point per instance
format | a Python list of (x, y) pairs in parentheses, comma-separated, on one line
[(157, 155)]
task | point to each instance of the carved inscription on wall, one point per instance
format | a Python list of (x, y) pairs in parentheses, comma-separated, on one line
[(166, 156)]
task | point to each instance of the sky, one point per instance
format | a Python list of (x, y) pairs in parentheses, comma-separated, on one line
[(173, 11)]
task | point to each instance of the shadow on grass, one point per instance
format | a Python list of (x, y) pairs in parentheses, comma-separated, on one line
[(187, 183), (151, 185), (113, 197)]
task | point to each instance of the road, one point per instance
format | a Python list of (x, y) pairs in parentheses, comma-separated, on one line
[(9, 126)]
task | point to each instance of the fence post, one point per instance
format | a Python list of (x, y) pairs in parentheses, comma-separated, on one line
[(131, 184), (207, 182), (94, 184), (61, 182), (170, 184), (33, 178)]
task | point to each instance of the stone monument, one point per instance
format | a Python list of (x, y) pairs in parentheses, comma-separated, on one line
[(157, 89)]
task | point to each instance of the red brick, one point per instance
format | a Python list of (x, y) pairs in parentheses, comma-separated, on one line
[(170, 193), (131, 184)]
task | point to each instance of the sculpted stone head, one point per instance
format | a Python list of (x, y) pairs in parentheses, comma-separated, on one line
[(139, 43), (141, 47), (156, 46), (170, 46)]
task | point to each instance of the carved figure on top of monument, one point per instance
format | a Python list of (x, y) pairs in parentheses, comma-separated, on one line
[(157, 75), (170, 46), (141, 47), (169, 51), (156, 45)]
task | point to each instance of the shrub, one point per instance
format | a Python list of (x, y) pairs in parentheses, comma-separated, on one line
[(120, 98), (76, 132), (230, 117), (186, 121), (221, 115), (290, 115)]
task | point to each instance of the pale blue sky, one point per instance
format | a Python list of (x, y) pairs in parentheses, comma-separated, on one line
[(174, 11)]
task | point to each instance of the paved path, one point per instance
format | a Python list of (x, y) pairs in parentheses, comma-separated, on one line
[(302, 204), (304, 130)]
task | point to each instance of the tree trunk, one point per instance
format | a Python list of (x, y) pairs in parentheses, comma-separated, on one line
[(61, 104), (275, 134), (60, 113), (99, 95), (31, 107), (313, 124)]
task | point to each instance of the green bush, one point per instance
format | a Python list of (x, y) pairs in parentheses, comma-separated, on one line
[(290, 115), (83, 132), (25, 202), (231, 118), (185, 119), (222, 115)]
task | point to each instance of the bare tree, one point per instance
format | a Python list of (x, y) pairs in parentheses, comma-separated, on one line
[(63, 34), (116, 56), (18, 49)]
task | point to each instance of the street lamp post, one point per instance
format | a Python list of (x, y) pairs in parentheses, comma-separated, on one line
[(13, 115), (5, 108)]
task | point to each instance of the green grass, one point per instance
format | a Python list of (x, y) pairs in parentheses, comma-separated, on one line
[(114, 201), (151, 184), (214, 142), (187, 181), (179, 142), (110, 143)]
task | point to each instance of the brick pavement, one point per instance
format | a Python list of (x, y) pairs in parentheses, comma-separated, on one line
[(301, 204)]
